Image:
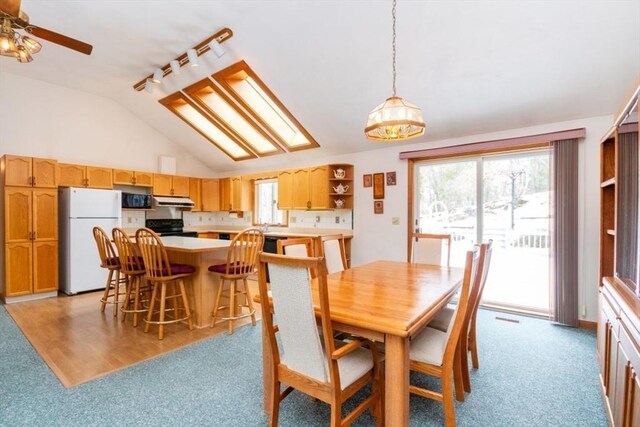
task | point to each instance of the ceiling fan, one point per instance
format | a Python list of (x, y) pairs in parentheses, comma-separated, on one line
[(21, 47)]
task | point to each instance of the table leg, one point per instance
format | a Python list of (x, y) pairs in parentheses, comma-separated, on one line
[(267, 368), (396, 381)]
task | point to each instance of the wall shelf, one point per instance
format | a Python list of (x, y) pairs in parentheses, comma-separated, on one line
[(608, 182)]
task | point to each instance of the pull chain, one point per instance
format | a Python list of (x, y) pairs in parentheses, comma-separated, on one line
[(393, 46)]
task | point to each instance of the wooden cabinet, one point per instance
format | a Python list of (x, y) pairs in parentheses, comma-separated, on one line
[(210, 193), (195, 191), (127, 177), (169, 185), (313, 188), (70, 175), (30, 242), (208, 235), (29, 172), (235, 194)]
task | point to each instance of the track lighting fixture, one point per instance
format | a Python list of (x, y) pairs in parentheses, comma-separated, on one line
[(175, 67), (217, 48), (158, 74), (193, 57)]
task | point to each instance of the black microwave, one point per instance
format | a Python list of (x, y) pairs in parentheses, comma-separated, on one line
[(136, 201)]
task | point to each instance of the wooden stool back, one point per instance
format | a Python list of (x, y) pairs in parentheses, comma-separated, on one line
[(154, 254), (131, 262), (108, 257), (242, 257)]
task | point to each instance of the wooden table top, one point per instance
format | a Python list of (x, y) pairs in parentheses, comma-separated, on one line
[(391, 297)]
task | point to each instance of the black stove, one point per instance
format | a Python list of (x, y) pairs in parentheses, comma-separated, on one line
[(169, 227)]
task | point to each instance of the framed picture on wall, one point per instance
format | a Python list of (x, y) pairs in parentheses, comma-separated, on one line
[(367, 180), (378, 185), (391, 178), (378, 206)]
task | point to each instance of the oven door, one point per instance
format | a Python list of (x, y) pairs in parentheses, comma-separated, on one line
[(180, 233)]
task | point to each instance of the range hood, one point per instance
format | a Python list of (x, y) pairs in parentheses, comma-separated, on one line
[(173, 202)]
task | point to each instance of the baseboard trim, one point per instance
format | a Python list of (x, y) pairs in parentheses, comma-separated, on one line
[(588, 324)]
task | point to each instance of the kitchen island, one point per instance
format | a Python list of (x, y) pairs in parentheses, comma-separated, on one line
[(201, 286)]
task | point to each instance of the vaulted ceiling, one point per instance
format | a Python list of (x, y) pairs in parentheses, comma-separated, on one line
[(472, 67)]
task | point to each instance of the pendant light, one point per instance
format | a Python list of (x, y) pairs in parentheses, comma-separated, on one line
[(395, 119)]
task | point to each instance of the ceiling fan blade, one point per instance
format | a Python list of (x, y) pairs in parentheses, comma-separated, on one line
[(10, 7), (60, 39)]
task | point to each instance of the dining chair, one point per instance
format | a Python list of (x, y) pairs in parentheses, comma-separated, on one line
[(428, 248), (300, 247), (333, 250), (132, 267), (468, 342), (161, 274), (437, 353), (109, 260), (303, 359), (242, 258)]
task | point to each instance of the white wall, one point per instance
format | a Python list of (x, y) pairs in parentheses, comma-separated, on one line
[(44, 120)]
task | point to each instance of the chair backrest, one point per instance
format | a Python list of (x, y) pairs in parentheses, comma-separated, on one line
[(130, 260), (428, 248), (300, 247), (299, 343), (242, 256), (108, 256), (334, 253), (458, 319), (481, 278), (153, 253)]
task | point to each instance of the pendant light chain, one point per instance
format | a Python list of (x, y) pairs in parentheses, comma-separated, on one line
[(393, 45)]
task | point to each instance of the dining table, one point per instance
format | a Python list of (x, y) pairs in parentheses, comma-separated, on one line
[(385, 301)]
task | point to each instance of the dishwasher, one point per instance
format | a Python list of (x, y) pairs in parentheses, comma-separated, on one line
[(271, 247)]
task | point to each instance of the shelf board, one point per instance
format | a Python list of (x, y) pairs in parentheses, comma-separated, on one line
[(611, 232), (341, 194), (341, 179), (608, 182)]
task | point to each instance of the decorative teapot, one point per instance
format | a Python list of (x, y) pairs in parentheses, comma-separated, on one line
[(339, 203), (341, 188), (339, 173)]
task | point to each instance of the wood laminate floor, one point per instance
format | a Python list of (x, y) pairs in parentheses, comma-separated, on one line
[(80, 343)]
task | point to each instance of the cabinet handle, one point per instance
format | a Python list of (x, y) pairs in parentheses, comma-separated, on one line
[(308, 205), (33, 181), (33, 235), (30, 181)]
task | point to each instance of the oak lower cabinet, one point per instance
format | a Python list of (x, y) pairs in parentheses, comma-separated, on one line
[(19, 171), (135, 178), (29, 242), (170, 185), (70, 175), (619, 352)]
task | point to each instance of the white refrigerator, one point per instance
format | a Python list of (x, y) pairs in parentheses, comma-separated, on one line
[(81, 209)]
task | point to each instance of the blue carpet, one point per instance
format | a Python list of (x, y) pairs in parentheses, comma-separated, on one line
[(531, 374)]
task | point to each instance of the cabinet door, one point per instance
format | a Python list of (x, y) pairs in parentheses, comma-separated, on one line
[(17, 214), (301, 198), (319, 187), (285, 190), (18, 271), (45, 173), (143, 179), (195, 188), (210, 193), (225, 194), (45, 266), (71, 175), (180, 186), (162, 185), (18, 171), (633, 407), (45, 214), (99, 177), (123, 177), (236, 193)]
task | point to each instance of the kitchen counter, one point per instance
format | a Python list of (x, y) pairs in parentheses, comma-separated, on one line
[(193, 244), (276, 231)]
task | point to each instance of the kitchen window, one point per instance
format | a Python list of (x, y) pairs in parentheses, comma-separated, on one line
[(266, 203)]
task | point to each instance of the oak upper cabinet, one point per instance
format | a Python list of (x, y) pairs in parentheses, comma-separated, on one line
[(285, 189), (70, 175), (319, 187), (127, 177), (30, 241), (300, 187), (235, 194), (210, 194), (29, 172), (195, 190), (169, 185)]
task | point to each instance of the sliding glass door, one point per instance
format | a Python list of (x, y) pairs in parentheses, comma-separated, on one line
[(499, 197)]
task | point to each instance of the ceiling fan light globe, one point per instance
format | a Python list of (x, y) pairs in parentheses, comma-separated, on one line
[(32, 45), (23, 55)]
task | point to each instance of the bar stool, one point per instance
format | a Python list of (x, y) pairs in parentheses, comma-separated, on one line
[(132, 267), (160, 273), (242, 259), (109, 260)]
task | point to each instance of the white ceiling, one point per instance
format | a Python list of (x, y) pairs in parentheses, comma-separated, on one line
[(472, 67)]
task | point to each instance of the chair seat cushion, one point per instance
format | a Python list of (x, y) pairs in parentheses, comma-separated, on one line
[(234, 268), (428, 346), (442, 319), (353, 366), (178, 269)]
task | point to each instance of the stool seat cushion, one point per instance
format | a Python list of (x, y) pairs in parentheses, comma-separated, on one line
[(234, 268), (113, 261), (135, 262), (178, 269)]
